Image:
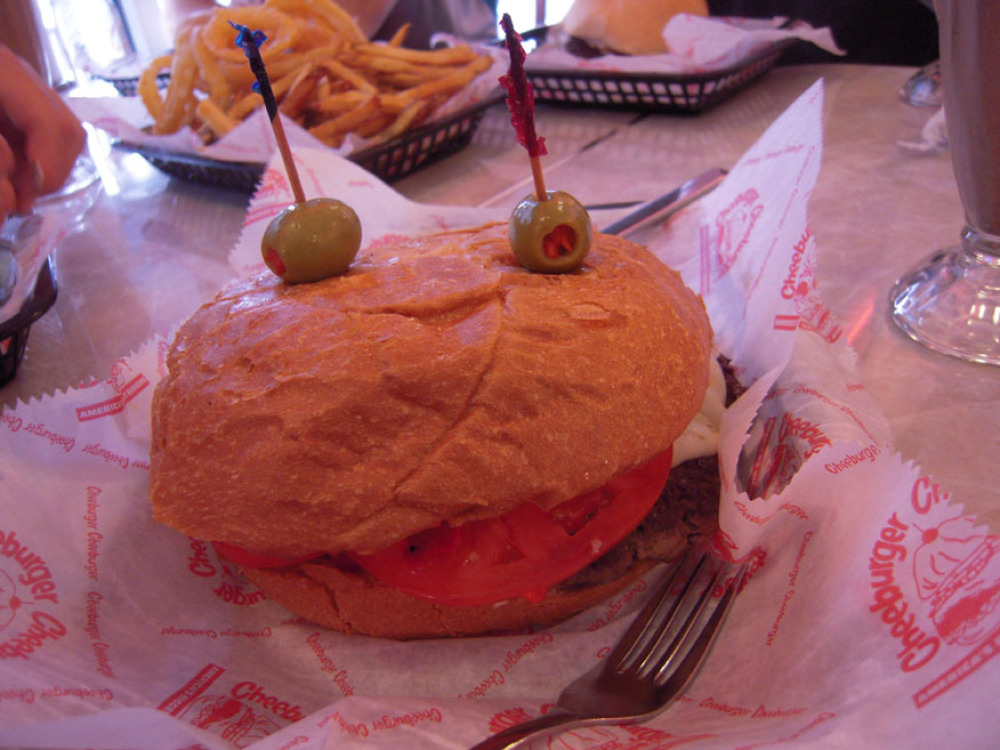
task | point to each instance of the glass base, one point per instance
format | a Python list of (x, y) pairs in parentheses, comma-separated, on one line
[(950, 303), (923, 88)]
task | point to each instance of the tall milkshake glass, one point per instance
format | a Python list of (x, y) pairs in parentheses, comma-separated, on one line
[(951, 302)]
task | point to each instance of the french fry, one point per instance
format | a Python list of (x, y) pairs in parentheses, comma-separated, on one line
[(213, 117), (149, 90), (394, 66), (374, 125), (406, 119), (337, 104), (300, 92), (251, 102), (291, 62), (244, 106), (328, 11), (180, 102), (351, 76), (212, 74), (325, 74), (397, 39), (344, 123), (281, 31), (452, 82), (458, 55)]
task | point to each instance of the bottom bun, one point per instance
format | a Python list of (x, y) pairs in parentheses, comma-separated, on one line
[(355, 603)]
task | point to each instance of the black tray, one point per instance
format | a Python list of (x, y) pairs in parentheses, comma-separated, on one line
[(129, 85), (671, 93), (389, 161), (14, 331)]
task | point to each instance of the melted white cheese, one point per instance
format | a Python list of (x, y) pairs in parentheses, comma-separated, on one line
[(701, 438)]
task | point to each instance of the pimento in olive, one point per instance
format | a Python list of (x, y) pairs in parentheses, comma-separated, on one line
[(550, 236)]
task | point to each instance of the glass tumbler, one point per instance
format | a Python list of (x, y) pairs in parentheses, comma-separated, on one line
[(950, 302)]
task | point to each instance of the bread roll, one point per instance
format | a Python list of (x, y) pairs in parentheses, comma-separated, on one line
[(356, 604), (629, 27)]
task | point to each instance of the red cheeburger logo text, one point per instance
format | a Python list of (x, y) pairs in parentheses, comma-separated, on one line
[(27, 592)]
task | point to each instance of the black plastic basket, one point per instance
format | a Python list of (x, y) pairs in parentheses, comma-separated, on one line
[(129, 85), (240, 176), (14, 331), (670, 93), (424, 145), (392, 160)]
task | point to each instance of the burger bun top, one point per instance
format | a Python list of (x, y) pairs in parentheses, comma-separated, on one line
[(436, 381), (629, 27)]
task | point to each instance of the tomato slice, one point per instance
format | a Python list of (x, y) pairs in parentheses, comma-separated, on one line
[(522, 553)]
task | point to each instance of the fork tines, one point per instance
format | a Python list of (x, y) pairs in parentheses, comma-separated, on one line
[(679, 623), (653, 661)]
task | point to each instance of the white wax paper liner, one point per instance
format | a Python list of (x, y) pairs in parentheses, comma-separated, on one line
[(870, 619), (697, 44)]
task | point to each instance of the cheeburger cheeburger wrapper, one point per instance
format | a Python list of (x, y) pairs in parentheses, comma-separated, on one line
[(870, 617)]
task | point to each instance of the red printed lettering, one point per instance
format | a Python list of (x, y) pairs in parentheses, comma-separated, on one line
[(35, 575), (790, 288), (44, 628), (889, 601), (252, 693), (925, 495), (199, 561)]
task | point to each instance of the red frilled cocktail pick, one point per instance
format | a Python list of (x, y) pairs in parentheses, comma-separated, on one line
[(521, 103)]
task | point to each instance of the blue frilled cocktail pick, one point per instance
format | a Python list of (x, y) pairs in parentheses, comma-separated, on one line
[(250, 42)]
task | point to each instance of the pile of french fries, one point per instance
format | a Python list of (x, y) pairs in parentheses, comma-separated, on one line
[(325, 74)]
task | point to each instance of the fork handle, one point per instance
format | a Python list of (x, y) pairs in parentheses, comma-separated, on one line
[(508, 738)]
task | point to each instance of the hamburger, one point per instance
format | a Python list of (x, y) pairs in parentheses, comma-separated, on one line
[(627, 27), (440, 442)]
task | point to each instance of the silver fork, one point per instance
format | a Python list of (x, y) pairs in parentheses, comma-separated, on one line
[(652, 663)]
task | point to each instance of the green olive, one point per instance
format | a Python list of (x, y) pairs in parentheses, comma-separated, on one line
[(312, 240), (551, 236)]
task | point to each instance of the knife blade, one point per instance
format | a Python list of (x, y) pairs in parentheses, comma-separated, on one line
[(669, 203)]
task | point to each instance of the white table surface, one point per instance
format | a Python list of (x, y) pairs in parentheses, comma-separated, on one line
[(152, 247)]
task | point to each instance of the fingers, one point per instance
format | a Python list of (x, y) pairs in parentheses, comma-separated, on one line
[(29, 183), (8, 199), (42, 134), (51, 148), (8, 165)]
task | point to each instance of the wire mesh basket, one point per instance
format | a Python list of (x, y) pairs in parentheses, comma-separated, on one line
[(672, 93), (391, 160)]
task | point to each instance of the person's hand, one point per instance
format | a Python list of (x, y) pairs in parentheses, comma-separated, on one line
[(40, 137)]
